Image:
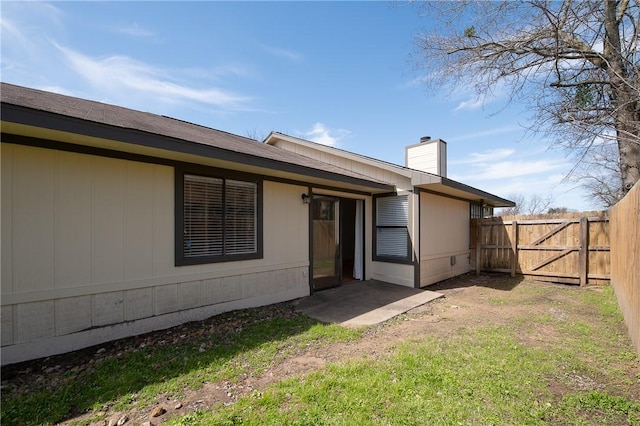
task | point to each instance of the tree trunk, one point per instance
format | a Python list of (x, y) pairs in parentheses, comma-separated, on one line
[(624, 99)]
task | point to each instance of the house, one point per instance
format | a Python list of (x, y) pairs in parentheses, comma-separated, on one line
[(117, 222)]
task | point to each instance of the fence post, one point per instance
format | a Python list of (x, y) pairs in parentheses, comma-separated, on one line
[(479, 244), (584, 250), (514, 248)]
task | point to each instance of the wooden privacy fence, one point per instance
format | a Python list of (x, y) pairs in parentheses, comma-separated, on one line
[(625, 260), (570, 248), (324, 239)]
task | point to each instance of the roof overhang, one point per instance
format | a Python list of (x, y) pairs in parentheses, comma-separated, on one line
[(274, 137), (451, 188), (35, 127), (424, 181)]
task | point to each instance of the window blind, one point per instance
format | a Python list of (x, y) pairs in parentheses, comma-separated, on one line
[(392, 219), (203, 218), (393, 211), (241, 217), (392, 242), (220, 216)]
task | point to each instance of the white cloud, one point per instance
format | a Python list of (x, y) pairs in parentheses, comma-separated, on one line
[(135, 30), (36, 53), (470, 100), (504, 163), (10, 30), (505, 171), (291, 55), (22, 35), (470, 104), (125, 76), (421, 80), (322, 134), (509, 169), (487, 156), (486, 133)]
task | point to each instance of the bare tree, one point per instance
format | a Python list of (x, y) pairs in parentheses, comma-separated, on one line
[(599, 173), (539, 204), (574, 63), (519, 201), (255, 134), (534, 204)]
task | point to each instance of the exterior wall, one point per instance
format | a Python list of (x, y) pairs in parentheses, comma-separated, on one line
[(444, 233), (88, 253), (394, 273), (402, 182)]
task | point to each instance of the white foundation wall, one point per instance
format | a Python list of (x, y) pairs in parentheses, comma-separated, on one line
[(393, 273), (88, 253), (444, 235)]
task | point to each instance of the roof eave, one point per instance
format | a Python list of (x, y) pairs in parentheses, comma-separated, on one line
[(26, 116), (452, 188), (395, 168)]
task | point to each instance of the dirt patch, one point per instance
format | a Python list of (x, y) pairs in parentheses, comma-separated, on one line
[(469, 302)]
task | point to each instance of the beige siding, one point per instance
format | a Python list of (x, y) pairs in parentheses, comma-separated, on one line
[(138, 221), (163, 223), (33, 221), (379, 173), (394, 273), (444, 233), (107, 220), (428, 157), (88, 242), (73, 212), (286, 226), (6, 231)]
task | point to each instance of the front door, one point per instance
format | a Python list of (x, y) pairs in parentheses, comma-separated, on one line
[(326, 254)]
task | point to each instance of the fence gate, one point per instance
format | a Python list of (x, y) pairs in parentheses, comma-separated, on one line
[(571, 249)]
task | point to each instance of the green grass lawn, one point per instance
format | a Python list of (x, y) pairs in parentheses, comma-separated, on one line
[(136, 378), (481, 376), (536, 369)]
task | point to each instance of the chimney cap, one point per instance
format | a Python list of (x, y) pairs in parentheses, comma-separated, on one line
[(425, 139)]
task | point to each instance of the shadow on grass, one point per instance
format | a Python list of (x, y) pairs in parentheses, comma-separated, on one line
[(114, 373), (492, 280)]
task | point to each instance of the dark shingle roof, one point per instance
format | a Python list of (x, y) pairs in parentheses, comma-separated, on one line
[(116, 117)]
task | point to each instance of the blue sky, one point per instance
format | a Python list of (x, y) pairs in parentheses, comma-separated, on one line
[(337, 73)]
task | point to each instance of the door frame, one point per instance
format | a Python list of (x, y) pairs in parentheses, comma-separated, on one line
[(332, 252), (341, 213)]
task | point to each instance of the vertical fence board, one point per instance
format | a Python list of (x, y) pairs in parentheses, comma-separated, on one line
[(514, 247), (478, 235), (584, 250), (625, 260)]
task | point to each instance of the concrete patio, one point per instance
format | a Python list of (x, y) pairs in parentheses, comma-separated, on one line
[(363, 303)]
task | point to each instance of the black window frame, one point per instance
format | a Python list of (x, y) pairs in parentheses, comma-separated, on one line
[(480, 211), (390, 259), (180, 258)]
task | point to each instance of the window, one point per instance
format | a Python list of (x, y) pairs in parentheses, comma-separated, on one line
[(478, 211), (392, 243), (219, 218)]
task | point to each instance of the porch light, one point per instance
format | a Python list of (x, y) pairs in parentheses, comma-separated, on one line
[(306, 199)]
